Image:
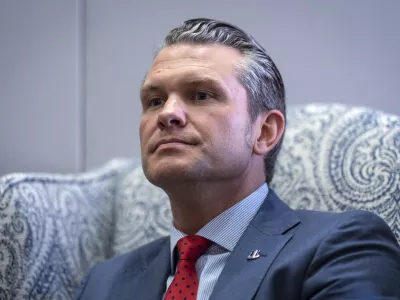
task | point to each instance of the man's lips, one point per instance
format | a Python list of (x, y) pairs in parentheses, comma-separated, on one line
[(169, 141)]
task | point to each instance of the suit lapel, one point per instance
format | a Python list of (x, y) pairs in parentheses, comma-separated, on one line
[(269, 232), (147, 283)]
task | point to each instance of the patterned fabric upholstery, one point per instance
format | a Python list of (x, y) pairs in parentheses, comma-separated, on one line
[(143, 213), (337, 158), (54, 227)]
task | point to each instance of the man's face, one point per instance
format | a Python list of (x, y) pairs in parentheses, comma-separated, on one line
[(195, 123)]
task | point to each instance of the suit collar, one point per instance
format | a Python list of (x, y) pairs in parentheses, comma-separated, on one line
[(269, 232), (274, 216), (237, 217)]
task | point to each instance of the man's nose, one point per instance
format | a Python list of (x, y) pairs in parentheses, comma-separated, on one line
[(172, 114)]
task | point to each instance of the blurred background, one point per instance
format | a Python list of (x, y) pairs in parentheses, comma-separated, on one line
[(70, 71)]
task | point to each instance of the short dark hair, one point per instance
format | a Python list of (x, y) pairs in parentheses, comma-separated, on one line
[(258, 73)]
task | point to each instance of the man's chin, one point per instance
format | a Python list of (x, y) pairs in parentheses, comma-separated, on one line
[(169, 172)]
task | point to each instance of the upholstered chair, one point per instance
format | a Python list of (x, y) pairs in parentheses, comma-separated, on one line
[(54, 227)]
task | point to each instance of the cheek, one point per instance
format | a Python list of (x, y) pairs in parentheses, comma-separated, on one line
[(226, 133), (232, 126), (143, 130)]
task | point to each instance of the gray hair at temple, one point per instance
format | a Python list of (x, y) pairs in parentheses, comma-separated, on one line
[(257, 72)]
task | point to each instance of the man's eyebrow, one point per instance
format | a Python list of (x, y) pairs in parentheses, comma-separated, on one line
[(195, 81), (202, 81), (206, 82), (149, 87)]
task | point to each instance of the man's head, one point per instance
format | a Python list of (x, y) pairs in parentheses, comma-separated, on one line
[(213, 87)]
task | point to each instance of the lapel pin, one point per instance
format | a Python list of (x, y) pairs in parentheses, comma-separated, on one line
[(254, 254)]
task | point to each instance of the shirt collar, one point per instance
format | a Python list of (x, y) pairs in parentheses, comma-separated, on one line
[(226, 229)]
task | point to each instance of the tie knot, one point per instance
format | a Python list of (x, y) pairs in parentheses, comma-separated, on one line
[(191, 247)]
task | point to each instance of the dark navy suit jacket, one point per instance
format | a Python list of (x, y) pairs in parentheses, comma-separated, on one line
[(304, 255)]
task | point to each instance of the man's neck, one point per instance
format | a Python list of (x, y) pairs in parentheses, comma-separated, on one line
[(194, 205)]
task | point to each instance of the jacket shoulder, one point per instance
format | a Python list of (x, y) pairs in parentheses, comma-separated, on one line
[(359, 217), (97, 282), (134, 257)]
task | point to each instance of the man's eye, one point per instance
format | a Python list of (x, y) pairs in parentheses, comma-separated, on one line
[(156, 102), (201, 96)]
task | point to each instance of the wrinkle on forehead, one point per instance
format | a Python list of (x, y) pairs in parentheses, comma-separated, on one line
[(216, 56), (178, 62), (160, 66)]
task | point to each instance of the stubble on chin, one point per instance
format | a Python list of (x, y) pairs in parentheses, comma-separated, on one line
[(170, 174)]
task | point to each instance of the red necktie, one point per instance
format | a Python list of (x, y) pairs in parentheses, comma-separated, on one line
[(185, 283)]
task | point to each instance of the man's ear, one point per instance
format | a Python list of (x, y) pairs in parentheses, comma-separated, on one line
[(271, 125)]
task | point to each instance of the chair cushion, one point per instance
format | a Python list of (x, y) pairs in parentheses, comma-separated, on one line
[(142, 214), (53, 228)]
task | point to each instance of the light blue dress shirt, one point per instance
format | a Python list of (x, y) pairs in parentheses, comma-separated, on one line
[(224, 231)]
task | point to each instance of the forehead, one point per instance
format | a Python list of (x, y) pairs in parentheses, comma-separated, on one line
[(182, 60)]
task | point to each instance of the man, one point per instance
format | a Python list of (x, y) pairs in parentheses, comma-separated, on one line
[(211, 128)]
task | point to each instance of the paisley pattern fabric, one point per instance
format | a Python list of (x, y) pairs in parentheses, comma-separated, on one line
[(337, 158), (53, 228), (143, 213)]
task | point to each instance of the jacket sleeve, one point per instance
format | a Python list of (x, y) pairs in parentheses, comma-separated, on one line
[(358, 259)]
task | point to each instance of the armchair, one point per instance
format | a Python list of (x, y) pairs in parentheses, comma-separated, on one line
[(53, 227)]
